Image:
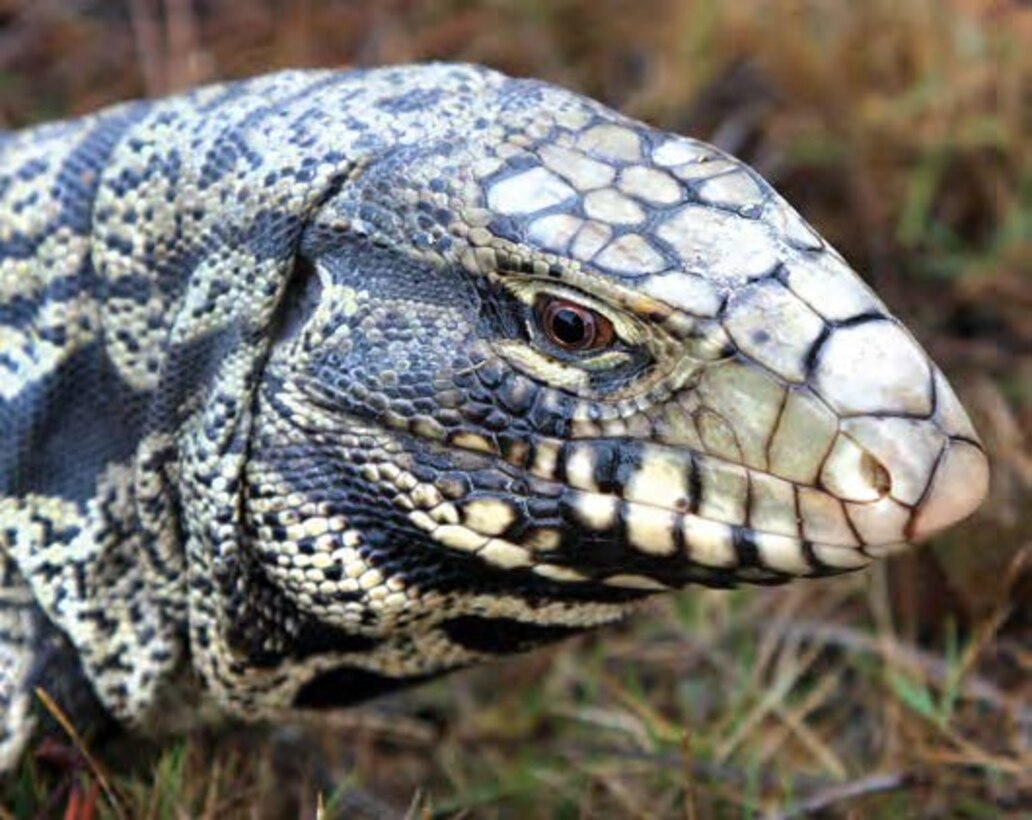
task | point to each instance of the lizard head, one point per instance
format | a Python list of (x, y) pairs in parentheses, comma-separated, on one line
[(546, 360)]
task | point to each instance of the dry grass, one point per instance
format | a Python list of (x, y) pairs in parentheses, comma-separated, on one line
[(903, 130)]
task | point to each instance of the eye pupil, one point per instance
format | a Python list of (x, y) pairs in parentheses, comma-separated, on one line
[(573, 326), (569, 327)]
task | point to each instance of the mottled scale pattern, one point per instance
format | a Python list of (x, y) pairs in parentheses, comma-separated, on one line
[(287, 419)]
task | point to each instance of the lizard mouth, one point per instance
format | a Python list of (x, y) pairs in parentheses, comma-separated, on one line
[(644, 515), (633, 514), (641, 514)]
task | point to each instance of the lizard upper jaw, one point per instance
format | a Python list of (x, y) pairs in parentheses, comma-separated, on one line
[(958, 486)]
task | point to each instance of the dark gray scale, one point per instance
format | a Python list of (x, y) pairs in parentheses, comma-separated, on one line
[(59, 432)]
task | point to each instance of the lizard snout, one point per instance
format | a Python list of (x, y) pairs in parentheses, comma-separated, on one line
[(907, 461)]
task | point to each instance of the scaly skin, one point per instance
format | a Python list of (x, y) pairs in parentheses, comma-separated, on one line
[(284, 421)]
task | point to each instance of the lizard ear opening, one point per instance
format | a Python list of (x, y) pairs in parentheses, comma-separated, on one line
[(301, 297)]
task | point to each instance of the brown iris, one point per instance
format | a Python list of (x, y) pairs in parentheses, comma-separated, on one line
[(572, 326)]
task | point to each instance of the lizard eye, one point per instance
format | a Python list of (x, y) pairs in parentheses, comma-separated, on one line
[(573, 327)]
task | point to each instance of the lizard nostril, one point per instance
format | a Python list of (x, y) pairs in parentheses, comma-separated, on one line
[(876, 474), (854, 473)]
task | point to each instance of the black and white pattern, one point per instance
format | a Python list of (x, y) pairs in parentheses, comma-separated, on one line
[(281, 424)]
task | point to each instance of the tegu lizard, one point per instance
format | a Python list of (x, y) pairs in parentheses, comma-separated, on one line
[(323, 383)]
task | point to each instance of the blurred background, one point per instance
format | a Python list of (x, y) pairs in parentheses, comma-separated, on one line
[(902, 129)]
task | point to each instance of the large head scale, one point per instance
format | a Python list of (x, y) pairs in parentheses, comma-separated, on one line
[(539, 360)]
